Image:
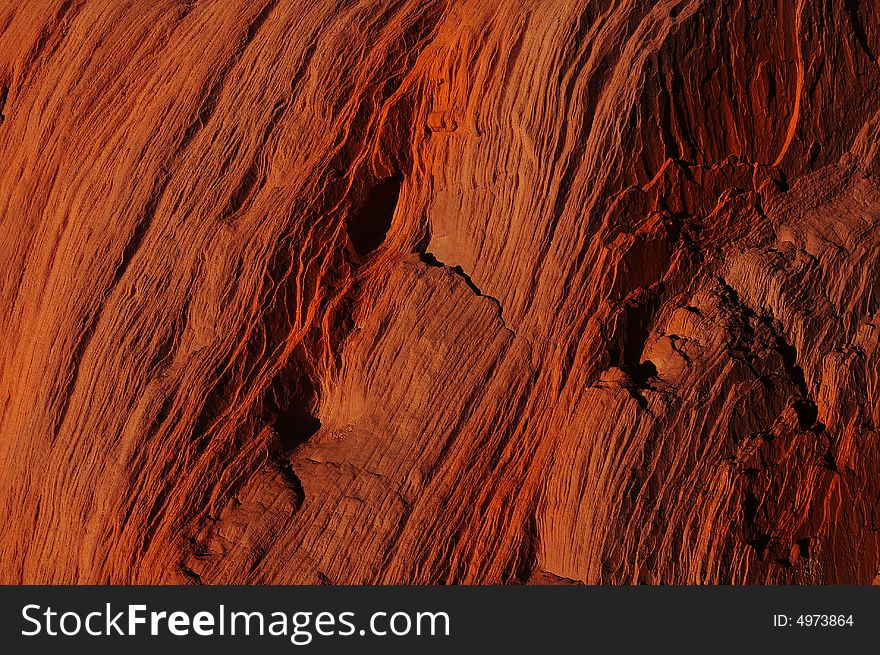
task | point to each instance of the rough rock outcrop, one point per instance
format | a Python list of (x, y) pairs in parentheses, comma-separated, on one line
[(421, 291)]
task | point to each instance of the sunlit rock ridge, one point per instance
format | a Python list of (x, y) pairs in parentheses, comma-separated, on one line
[(411, 291)]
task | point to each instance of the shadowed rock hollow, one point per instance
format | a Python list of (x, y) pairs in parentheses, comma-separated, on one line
[(421, 291)]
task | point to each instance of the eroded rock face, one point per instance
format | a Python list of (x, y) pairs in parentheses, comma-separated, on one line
[(465, 291)]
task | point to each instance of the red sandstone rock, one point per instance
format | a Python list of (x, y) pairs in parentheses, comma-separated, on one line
[(397, 292)]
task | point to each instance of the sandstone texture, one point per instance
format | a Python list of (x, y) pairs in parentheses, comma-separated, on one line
[(420, 291)]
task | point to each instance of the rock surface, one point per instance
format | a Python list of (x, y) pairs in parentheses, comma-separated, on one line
[(446, 292)]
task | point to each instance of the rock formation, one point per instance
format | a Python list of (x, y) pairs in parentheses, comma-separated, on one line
[(422, 291)]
